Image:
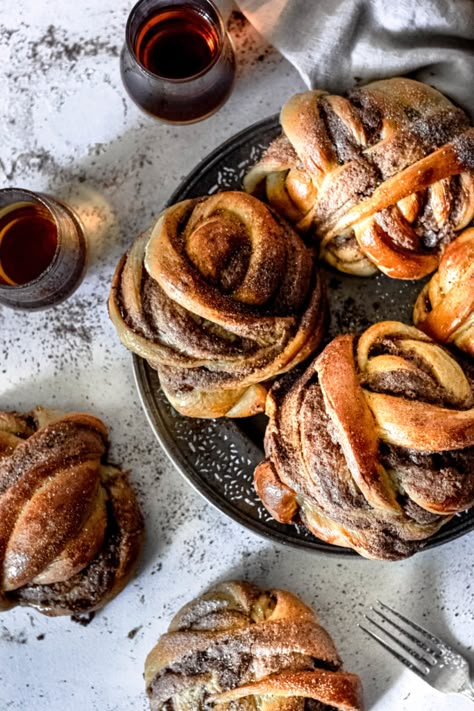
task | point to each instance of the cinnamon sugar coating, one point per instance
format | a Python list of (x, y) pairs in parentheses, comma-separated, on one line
[(372, 447), (384, 179), (70, 527), (445, 307), (219, 297), (238, 647)]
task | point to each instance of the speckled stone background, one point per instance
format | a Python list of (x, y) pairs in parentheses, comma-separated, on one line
[(68, 128)]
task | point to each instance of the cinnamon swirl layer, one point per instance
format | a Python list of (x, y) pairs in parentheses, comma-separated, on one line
[(70, 527), (383, 178), (243, 648), (445, 307), (373, 446), (219, 297)]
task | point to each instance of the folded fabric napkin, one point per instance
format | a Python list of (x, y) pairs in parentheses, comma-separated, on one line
[(335, 44)]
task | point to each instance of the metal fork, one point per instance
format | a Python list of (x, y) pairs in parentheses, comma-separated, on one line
[(421, 651)]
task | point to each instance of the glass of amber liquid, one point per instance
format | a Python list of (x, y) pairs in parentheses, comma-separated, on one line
[(43, 250), (178, 62)]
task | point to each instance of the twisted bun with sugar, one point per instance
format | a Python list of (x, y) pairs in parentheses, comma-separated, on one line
[(373, 446), (70, 527), (445, 307), (219, 297), (237, 647), (383, 178)]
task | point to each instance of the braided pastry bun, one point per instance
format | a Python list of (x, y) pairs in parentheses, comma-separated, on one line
[(373, 446), (384, 178), (219, 297), (70, 527), (445, 307), (237, 647)]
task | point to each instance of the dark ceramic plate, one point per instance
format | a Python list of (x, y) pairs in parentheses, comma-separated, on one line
[(218, 457)]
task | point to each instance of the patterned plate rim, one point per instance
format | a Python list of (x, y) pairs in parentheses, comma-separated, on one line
[(219, 502)]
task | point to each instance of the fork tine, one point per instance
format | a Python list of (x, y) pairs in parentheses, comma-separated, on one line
[(440, 645), (424, 663), (398, 656), (420, 645)]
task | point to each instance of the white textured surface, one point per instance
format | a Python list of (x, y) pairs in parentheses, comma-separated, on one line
[(68, 128)]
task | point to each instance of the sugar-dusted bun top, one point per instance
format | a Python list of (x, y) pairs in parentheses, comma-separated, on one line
[(70, 528), (219, 296), (445, 306), (373, 446), (383, 178), (243, 646)]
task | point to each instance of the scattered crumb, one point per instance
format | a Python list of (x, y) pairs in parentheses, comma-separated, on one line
[(133, 632)]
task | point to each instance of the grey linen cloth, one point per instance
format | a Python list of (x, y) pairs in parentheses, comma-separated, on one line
[(336, 44)]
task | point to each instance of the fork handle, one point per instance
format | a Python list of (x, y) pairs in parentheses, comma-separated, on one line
[(468, 691)]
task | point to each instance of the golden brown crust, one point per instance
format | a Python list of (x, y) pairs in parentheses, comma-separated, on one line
[(391, 170), (280, 500), (374, 443), (219, 297), (241, 645), (445, 307), (61, 511), (339, 689)]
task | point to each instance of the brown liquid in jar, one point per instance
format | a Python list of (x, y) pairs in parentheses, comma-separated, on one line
[(28, 241), (177, 43)]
